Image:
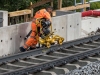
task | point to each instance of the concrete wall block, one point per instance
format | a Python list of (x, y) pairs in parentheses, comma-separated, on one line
[(3, 42), (77, 23), (59, 26), (12, 38), (6, 39), (4, 16), (22, 31), (95, 24), (73, 26), (70, 27), (71, 20), (90, 25)]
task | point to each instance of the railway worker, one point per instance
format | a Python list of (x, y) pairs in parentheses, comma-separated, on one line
[(33, 39)]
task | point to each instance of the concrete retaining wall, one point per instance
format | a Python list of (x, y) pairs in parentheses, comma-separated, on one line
[(90, 24), (12, 37), (68, 26), (3, 18)]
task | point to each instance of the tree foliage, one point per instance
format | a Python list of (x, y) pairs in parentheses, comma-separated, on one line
[(95, 5), (13, 5)]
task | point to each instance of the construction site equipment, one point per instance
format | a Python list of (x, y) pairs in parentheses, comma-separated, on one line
[(47, 37), (51, 39)]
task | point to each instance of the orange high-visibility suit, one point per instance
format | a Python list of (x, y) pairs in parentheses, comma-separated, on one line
[(32, 41)]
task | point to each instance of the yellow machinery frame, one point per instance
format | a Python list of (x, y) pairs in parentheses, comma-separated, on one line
[(50, 38)]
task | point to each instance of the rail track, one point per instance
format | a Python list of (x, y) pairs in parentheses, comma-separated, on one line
[(59, 59)]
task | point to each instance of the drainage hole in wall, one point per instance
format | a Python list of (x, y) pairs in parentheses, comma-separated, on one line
[(54, 29), (20, 36), (62, 27), (1, 40), (10, 38), (70, 25), (77, 24)]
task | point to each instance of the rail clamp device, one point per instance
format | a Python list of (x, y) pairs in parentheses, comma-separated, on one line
[(51, 39)]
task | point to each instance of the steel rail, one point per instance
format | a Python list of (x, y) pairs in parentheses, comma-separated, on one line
[(46, 50), (53, 63), (56, 62)]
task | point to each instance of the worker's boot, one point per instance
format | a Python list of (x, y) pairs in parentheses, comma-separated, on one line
[(22, 49), (32, 48)]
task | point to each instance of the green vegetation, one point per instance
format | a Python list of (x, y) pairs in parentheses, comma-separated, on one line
[(13, 5), (95, 5)]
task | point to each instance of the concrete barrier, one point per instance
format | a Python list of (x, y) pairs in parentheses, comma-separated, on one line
[(12, 37), (68, 26), (90, 24), (3, 18)]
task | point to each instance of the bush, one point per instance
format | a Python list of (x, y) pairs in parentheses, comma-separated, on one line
[(95, 5), (13, 5)]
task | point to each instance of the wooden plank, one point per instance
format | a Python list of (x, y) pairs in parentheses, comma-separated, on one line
[(72, 8), (52, 3), (32, 10), (40, 3), (84, 3), (54, 13), (18, 13), (76, 7), (59, 4)]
